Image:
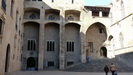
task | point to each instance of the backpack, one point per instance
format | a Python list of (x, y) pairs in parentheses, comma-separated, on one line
[(115, 73)]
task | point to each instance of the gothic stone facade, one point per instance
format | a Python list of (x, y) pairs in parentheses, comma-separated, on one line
[(54, 34)]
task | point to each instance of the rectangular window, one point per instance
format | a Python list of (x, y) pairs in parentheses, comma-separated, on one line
[(95, 13), (1, 26), (72, 1), (105, 14), (50, 63), (31, 45), (70, 46), (101, 30), (50, 45), (70, 63), (4, 4), (90, 46), (17, 20), (11, 9)]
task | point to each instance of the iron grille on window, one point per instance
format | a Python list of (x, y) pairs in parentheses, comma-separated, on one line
[(31, 45), (70, 46), (50, 45)]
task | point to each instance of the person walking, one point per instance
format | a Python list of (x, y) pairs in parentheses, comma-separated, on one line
[(106, 69), (113, 68)]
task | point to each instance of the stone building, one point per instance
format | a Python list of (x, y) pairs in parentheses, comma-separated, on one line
[(59, 33), (54, 34), (11, 17)]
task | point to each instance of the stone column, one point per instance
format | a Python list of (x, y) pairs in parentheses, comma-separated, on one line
[(100, 14), (41, 40), (62, 42), (83, 50)]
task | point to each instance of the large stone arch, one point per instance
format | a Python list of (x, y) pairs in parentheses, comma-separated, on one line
[(7, 60), (103, 21), (72, 44), (51, 45), (96, 35), (30, 42)]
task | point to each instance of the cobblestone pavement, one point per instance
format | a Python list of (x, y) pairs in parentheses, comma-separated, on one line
[(62, 73)]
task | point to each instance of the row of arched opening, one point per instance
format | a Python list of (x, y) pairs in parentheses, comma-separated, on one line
[(51, 14), (52, 41), (96, 35)]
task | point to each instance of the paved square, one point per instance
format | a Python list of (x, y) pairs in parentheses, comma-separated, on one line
[(62, 73)]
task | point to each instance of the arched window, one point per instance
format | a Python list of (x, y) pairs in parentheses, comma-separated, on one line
[(51, 17), (70, 18), (32, 16)]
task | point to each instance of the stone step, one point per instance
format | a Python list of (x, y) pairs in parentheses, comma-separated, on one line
[(97, 65)]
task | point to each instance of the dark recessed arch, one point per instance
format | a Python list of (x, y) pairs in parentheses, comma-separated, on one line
[(31, 22), (110, 38), (72, 15), (31, 62), (31, 9), (52, 23), (7, 60), (103, 52), (75, 24)]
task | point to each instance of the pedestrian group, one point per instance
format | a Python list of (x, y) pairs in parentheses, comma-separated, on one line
[(112, 69)]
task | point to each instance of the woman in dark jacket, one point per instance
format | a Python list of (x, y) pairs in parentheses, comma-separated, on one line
[(106, 69)]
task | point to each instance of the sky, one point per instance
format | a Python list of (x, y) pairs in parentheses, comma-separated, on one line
[(97, 2)]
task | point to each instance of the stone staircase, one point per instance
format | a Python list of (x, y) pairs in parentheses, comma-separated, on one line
[(97, 65)]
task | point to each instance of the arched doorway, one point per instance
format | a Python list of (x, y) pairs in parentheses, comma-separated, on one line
[(7, 58), (103, 52), (31, 63)]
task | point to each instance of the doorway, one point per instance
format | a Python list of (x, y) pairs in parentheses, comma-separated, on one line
[(31, 63), (7, 58), (103, 52)]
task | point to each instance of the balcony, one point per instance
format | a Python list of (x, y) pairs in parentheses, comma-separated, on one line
[(52, 15), (72, 15), (32, 14)]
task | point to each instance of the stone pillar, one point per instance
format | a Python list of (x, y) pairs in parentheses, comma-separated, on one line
[(41, 40), (100, 14), (62, 42), (82, 38), (90, 13)]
